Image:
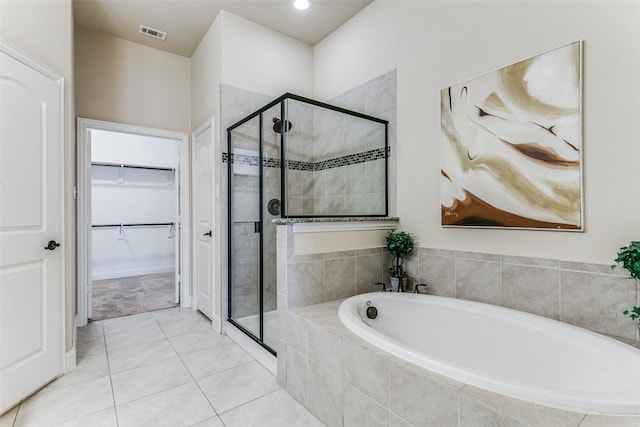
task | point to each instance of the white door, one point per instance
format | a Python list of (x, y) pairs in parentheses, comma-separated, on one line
[(203, 200), (31, 271)]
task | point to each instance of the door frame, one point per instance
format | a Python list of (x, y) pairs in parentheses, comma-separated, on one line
[(209, 126), (84, 125)]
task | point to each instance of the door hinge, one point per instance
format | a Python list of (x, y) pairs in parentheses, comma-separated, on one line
[(75, 193)]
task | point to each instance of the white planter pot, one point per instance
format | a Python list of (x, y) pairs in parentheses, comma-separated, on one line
[(397, 285)]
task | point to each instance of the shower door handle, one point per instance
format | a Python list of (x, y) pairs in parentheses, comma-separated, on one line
[(257, 227)]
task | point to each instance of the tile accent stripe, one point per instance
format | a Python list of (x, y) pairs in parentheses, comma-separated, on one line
[(269, 162)]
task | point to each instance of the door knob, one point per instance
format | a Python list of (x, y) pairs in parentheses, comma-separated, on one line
[(52, 245), (208, 234)]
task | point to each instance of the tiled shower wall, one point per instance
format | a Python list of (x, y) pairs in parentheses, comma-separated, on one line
[(348, 172), (310, 192), (356, 187)]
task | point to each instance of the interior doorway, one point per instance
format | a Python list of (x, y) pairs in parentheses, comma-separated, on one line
[(133, 246)]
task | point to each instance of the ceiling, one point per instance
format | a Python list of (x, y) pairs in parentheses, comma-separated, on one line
[(187, 21)]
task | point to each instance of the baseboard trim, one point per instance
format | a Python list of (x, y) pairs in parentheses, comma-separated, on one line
[(70, 360), (133, 273), (215, 324), (70, 356)]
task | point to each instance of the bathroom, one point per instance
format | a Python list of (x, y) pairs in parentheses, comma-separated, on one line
[(562, 275), (428, 45)]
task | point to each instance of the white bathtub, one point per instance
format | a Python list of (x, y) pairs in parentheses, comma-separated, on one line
[(510, 352)]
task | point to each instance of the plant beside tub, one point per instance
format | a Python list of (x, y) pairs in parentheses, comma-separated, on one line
[(629, 258), (399, 245)]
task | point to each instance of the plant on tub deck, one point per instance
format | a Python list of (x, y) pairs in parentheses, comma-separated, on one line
[(399, 244), (629, 258)]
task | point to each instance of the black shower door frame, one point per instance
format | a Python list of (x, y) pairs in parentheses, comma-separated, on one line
[(283, 208)]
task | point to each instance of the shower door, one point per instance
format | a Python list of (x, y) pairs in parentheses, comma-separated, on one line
[(254, 198)]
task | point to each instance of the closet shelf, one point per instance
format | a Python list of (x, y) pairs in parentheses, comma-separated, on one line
[(124, 165), (149, 224)]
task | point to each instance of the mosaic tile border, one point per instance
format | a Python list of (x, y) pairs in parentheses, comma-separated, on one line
[(270, 162)]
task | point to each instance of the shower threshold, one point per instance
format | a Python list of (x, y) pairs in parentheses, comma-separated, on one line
[(248, 344)]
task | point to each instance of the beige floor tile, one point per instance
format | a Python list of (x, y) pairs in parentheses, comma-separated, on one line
[(48, 408), (237, 386), (198, 341), (140, 355), (216, 359), (184, 326), (276, 409), (105, 418), (146, 380), (184, 405), (88, 367), (209, 422), (92, 329), (152, 379), (90, 345), (149, 333), (174, 314), (127, 323)]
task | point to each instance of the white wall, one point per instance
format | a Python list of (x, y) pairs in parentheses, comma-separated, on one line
[(44, 30), (434, 44), (206, 76), (141, 150), (240, 53), (132, 196), (263, 61), (125, 82)]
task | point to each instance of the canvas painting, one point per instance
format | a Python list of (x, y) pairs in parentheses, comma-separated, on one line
[(511, 145)]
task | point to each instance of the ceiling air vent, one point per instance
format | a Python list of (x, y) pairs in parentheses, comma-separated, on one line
[(152, 33)]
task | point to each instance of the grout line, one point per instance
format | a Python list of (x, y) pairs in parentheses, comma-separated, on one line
[(258, 398), (15, 418), (196, 380), (113, 396)]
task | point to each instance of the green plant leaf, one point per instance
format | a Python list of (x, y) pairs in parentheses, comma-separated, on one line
[(629, 258)]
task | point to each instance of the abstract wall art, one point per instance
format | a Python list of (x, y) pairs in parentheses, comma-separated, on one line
[(511, 145)]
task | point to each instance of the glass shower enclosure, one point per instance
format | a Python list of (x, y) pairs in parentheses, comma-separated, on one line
[(293, 158)]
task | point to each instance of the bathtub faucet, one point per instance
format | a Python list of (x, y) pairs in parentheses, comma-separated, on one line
[(384, 287), (416, 290)]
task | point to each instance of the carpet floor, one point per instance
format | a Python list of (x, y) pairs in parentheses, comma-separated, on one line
[(132, 295)]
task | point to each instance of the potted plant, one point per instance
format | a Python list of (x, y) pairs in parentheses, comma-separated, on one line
[(399, 244), (629, 258)]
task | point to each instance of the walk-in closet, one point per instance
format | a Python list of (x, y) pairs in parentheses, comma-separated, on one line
[(134, 240)]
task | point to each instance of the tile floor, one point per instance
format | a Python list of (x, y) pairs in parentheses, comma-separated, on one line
[(163, 368)]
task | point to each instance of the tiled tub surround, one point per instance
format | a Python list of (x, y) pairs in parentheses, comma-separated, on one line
[(590, 296), (345, 381)]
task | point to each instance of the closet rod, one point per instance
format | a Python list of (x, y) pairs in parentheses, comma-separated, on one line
[(124, 165), (159, 224)]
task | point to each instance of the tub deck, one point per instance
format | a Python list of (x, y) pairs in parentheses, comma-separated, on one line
[(344, 380)]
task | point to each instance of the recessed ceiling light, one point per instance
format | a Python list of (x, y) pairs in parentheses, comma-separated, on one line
[(301, 4)]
